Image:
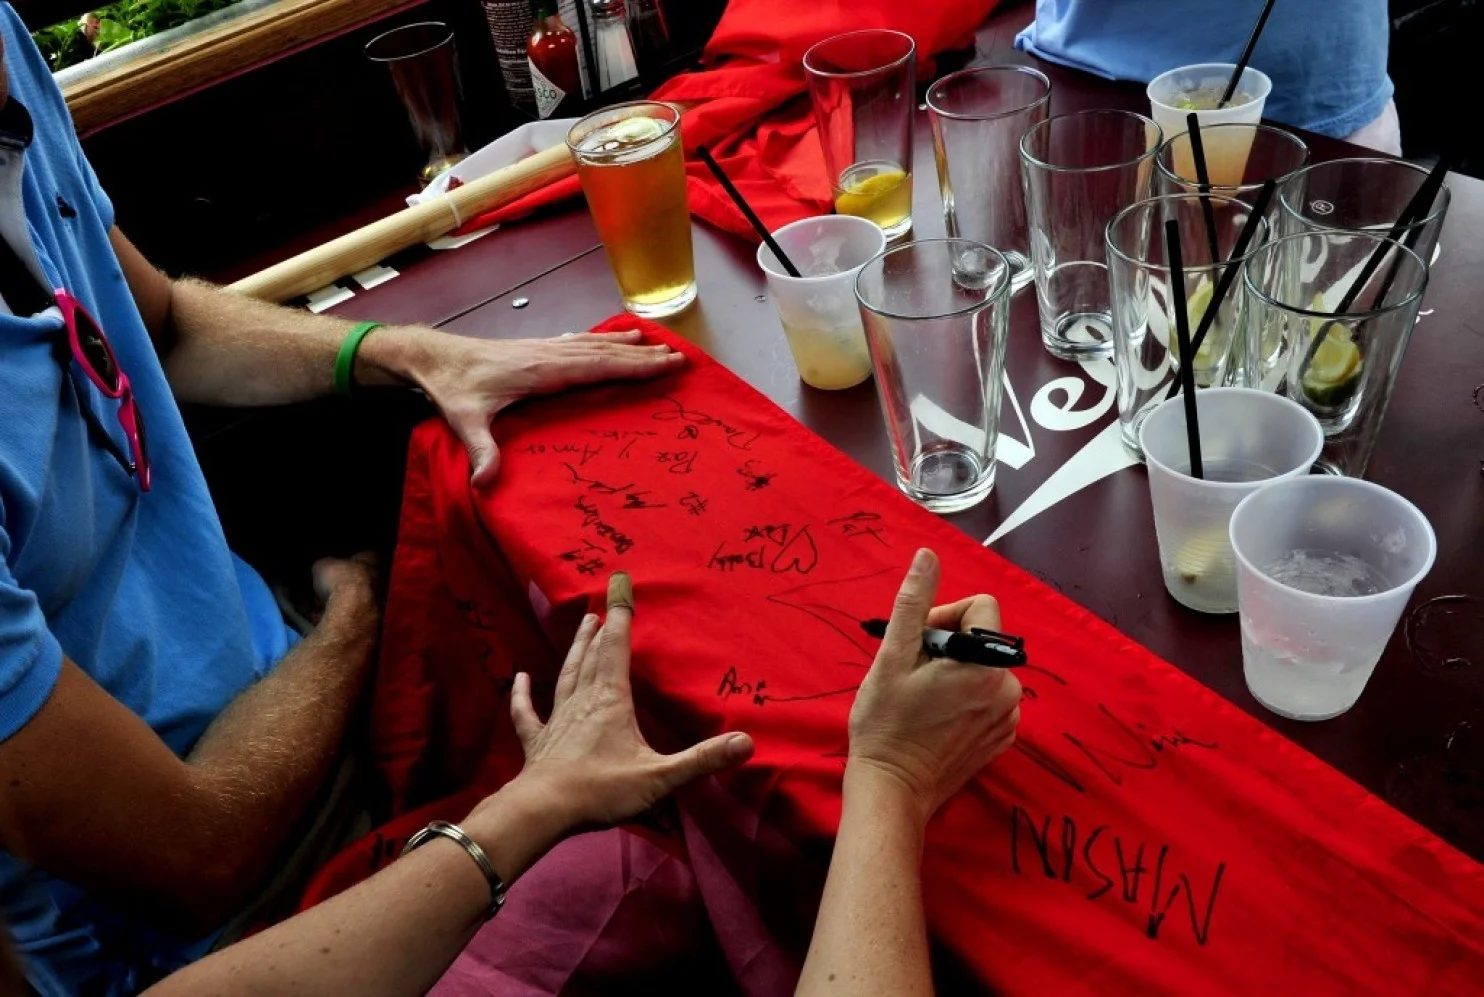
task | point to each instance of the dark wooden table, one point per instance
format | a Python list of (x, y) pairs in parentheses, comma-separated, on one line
[(1415, 738)]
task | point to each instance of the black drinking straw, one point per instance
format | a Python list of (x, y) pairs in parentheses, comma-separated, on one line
[(1232, 270), (1187, 355), (1439, 171), (746, 209), (1231, 86), (1416, 210), (1203, 183)]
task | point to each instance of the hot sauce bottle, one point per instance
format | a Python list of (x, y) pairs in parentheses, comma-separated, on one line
[(552, 54)]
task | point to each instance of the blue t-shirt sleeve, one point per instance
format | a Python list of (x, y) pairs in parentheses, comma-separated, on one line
[(30, 657), (99, 197)]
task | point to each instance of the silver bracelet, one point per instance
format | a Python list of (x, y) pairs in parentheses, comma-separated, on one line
[(454, 833)]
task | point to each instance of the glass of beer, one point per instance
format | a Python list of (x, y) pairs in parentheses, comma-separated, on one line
[(862, 83), (632, 170)]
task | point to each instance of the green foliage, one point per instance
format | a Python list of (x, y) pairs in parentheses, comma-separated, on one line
[(111, 34), (63, 44), (119, 23)]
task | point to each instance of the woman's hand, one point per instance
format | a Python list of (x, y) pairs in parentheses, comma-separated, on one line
[(931, 724), (591, 754)]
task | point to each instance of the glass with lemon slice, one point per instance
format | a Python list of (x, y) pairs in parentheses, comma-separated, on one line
[(632, 170), (862, 85), (1146, 352), (1331, 335), (880, 192)]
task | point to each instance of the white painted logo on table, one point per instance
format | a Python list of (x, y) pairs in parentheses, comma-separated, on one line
[(1054, 407)]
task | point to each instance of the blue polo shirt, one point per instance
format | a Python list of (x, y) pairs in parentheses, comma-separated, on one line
[(1327, 59), (139, 590)]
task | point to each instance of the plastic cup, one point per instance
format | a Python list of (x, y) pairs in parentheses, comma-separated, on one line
[(1166, 89), (819, 313), (1325, 567), (1248, 439)]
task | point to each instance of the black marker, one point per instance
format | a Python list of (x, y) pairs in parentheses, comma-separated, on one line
[(977, 647)]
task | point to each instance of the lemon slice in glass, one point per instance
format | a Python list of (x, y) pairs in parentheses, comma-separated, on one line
[(622, 135), (1316, 325), (1334, 373), (863, 195), (1202, 555)]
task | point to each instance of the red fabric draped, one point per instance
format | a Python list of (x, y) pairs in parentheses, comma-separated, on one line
[(747, 108), (1145, 836)]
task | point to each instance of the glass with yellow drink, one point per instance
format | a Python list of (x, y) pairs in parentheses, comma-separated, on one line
[(1239, 160), (632, 170), (862, 86)]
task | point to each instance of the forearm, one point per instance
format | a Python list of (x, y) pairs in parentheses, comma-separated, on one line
[(221, 348), (184, 841), (870, 936), (397, 932), (262, 762)]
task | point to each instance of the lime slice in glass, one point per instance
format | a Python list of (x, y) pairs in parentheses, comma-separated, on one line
[(1195, 309), (1334, 373)]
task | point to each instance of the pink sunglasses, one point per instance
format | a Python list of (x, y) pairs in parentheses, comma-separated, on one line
[(94, 354)]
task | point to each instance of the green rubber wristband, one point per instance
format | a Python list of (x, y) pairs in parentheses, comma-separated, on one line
[(345, 360)]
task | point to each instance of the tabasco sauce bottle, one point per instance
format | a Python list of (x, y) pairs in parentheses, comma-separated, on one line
[(552, 53)]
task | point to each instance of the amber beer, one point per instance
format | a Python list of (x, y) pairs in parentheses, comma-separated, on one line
[(632, 169)]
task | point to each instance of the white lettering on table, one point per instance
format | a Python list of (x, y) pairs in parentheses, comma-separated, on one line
[(1102, 456), (1067, 417), (1009, 450)]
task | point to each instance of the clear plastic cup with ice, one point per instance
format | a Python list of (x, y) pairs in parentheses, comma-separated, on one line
[(1325, 567)]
